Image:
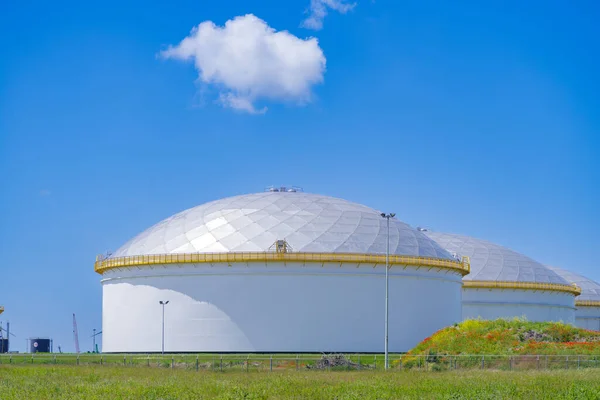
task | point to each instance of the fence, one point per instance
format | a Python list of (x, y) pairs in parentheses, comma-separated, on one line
[(337, 362)]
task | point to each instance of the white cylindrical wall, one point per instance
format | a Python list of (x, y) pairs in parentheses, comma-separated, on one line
[(588, 318), (275, 308), (510, 303)]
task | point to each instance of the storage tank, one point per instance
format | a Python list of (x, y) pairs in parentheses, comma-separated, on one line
[(40, 345), (507, 284), (4, 335), (4, 346), (278, 271), (587, 304)]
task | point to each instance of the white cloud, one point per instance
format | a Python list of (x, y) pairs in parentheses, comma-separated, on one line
[(318, 11), (248, 61), (239, 103)]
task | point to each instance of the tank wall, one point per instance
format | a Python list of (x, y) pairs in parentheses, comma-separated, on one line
[(588, 318), (293, 308), (533, 305)]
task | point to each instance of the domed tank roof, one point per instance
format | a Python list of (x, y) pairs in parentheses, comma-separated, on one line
[(590, 290), (492, 262), (307, 222)]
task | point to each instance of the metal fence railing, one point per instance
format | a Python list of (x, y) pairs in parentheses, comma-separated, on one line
[(104, 264), (334, 362)]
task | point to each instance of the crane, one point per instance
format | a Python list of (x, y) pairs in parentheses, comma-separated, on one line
[(75, 335)]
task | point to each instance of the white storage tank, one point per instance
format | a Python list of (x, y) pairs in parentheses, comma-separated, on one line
[(506, 284), (279, 271), (587, 304)]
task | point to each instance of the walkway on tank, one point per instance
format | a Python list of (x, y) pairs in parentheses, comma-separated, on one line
[(104, 264)]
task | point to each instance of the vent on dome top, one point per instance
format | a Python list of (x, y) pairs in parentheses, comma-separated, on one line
[(281, 246), (420, 229), (105, 256), (290, 189)]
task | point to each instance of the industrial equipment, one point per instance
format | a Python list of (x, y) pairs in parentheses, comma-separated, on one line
[(40, 345), (75, 334), (277, 271)]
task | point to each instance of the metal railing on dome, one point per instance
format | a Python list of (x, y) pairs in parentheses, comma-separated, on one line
[(104, 264), (556, 287), (587, 303)]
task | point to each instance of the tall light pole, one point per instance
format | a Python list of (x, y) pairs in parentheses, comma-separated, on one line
[(94, 336), (387, 284), (163, 304)]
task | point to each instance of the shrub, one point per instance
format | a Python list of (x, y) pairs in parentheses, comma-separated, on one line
[(507, 336)]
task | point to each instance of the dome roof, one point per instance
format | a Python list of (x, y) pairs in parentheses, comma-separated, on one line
[(308, 222), (492, 262), (590, 290)]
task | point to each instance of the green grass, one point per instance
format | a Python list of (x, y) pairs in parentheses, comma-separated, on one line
[(427, 361), (213, 362), (87, 382)]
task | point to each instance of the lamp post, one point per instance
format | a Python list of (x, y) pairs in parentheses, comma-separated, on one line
[(94, 338), (163, 304), (387, 284)]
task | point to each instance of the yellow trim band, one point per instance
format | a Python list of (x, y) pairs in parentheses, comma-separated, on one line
[(102, 265), (556, 287), (587, 303)]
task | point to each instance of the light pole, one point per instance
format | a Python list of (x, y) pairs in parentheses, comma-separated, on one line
[(163, 304), (94, 338), (387, 283)]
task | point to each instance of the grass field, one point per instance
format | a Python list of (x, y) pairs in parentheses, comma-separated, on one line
[(213, 362), (301, 362), (85, 382)]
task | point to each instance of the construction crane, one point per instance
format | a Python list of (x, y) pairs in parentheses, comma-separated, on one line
[(75, 334)]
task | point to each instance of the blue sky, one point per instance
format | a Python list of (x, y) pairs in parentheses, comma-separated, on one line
[(467, 118)]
